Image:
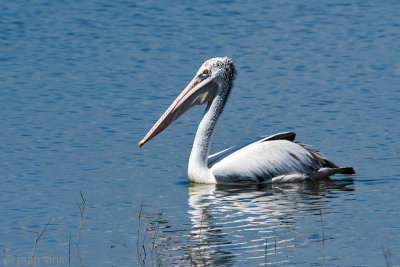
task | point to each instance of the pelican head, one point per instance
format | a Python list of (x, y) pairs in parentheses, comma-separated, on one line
[(214, 77)]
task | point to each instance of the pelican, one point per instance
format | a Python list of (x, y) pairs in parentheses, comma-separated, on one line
[(275, 158)]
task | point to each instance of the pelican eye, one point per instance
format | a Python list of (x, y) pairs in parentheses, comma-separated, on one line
[(206, 72)]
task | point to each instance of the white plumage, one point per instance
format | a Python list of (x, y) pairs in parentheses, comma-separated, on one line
[(276, 158)]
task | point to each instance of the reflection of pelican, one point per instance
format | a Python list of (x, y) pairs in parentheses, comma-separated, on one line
[(274, 157), (267, 202), (230, 221)]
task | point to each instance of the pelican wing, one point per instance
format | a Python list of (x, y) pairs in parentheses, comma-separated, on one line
[(290, 136), (264, 159)]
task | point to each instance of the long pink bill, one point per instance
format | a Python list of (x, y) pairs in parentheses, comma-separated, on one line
[(197, 92)]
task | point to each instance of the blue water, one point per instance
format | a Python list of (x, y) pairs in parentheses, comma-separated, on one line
[(82, 82)]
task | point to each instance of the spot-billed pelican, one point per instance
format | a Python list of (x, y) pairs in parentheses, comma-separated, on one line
[(274, 158)]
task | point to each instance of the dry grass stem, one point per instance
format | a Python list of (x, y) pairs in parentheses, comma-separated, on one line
[(323, 237), (138, 231), (265, 252), (127, 249), (153, 241), (38, 236), (82, 210), (387, 254)]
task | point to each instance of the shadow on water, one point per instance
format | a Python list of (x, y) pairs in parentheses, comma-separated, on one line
[(259, 221)]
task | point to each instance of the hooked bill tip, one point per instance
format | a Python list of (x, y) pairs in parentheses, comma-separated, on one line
[(141, 143)]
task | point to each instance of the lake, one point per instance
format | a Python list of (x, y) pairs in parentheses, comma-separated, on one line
[(81, 83)]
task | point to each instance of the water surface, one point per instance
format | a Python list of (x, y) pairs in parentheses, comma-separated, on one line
[(82, 83)]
